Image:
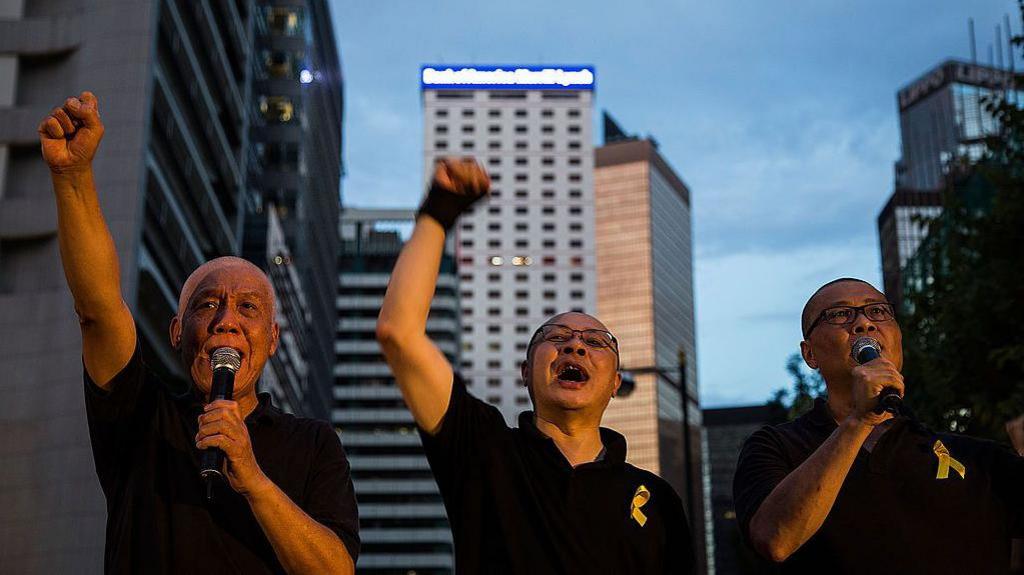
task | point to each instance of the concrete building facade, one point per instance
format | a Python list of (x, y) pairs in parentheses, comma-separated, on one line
[(171, 78), (403, 525), (527, 253)]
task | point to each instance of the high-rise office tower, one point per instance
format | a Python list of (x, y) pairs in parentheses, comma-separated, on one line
[(943, 118), (644, 255), (295, 171), (403, 525), (527, 253), (943, 121), (171, 79)]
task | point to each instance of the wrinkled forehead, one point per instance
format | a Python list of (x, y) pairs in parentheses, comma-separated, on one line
[(576, 320), (230, 273)]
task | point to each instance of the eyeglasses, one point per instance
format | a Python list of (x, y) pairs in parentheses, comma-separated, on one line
[(557, 333), (847, 314)]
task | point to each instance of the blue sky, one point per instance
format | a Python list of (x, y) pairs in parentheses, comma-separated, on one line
[(780, 117)]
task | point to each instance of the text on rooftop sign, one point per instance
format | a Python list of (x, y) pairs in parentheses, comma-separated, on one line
[(507, 77)]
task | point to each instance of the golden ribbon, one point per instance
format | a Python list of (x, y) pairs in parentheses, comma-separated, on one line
[(946, 461), (640, 498)]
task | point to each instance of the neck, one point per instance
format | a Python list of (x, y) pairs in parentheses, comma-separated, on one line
[(840, 402), (579, 441)]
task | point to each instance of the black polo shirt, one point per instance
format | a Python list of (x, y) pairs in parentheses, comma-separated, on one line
[(516, 505), (893, 514), (158, 518)]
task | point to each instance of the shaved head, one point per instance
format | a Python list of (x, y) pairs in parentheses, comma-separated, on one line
[(815, 303), (225, 262)]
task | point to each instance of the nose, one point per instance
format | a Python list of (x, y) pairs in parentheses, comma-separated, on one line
[(575, 345), (861, 324), (225, 321)]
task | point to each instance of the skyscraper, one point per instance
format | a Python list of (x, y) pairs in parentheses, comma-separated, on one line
[(942, 121), (295, 171), (528, 253), (172, 79), (403, 524), (645, 296)]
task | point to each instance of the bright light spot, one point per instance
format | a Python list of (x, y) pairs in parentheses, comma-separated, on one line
[(278, 260), (517, 261), (496, 261), (527, 261), (305, 76)]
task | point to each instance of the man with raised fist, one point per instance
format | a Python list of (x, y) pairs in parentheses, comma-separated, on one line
[(288, 505), (554, 495)]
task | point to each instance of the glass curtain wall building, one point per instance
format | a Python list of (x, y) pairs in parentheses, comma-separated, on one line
[(644, 255), (403, 525), (295, 171), (172, 78)]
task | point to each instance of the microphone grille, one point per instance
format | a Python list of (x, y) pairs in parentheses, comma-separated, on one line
[(862, 343), (225, 357)]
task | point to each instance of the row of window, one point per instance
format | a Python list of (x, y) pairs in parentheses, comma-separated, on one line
[(496, 145), (518, 128), (544, 161), (522, 277), (518, 113), (525, 210), (523, 226), (574, 261), (522, 243), (545, 177), (522, 294), (547, 194), (518, 312)]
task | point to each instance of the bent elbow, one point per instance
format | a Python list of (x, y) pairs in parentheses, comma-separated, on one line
[(768, 546), (387, 334)]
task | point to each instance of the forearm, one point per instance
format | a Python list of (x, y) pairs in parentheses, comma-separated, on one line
[(301, 544), (413, 280), (797, 507), (86, 247)]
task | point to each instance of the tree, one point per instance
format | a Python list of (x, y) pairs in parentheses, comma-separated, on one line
[(964, 321), (807, 386)]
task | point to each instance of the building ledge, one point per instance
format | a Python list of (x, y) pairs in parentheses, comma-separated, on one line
[(27, 218), (40, 36), (18, 125)]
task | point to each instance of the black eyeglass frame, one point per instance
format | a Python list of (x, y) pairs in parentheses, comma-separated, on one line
[(614, 346), (856, 310)]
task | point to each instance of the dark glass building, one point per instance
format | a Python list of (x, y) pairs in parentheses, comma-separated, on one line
[(295, 171), (403, 524)]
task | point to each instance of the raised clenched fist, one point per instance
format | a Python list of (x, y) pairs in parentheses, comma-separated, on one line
[(464, 177), (71, 134), (457, 184)]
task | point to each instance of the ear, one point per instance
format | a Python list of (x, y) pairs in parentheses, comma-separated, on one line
[(275, 334), (808, 353), (174, 331), (524, 372), (618, 383)]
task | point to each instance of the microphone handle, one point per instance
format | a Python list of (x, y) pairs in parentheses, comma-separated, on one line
[(889, 400), (211, 460)]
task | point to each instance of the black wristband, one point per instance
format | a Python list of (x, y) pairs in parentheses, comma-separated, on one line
[(444, 206)]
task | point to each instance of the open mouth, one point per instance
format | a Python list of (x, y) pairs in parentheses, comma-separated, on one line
[(572, 373)]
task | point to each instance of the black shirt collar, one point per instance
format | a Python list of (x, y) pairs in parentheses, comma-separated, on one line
[(821, 416), (265, 412), (614, 443)]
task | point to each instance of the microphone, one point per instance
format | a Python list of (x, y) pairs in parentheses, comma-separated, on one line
[(864, 350), (224, 362)]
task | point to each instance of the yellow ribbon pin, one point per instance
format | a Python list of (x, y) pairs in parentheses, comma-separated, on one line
[(640, 498), (946, 461)]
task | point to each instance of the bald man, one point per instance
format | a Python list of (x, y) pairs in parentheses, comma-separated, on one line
[(288, 504), (554, 495), (848, 489)]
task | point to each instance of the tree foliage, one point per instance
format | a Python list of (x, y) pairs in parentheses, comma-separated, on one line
[(964, 333), (806, 386)]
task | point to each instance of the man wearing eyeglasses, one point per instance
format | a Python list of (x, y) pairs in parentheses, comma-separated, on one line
[(848, 488), (554, 495)]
